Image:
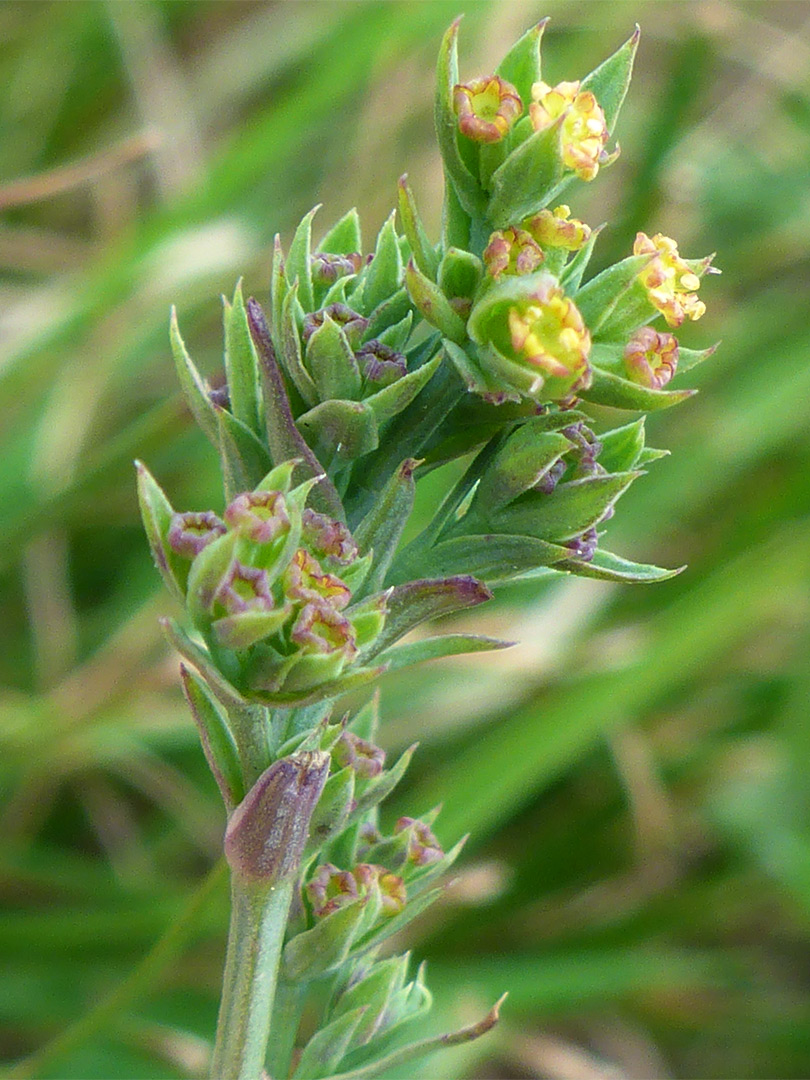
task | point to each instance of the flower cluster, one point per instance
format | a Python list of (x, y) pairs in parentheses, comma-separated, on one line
[(583, 129)]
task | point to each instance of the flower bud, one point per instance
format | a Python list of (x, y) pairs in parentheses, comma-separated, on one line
[(422, 846), (651, 358), (189, 533), (327, 269), (380, 364), (321, 629), (268, 831), (326, 538), (245, 588), (351, 322), (557, 229), (512, 251), (584, 131), (486, 108), (331, 889), (259, 515), (363, 756), (305, 582), (668, 279)]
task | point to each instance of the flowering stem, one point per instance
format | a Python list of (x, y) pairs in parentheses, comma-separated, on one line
[(255, 938)]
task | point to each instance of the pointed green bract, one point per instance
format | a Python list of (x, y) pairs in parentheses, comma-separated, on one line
[(521, 65)]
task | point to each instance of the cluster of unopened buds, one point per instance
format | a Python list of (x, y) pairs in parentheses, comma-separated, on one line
[(365, 372)]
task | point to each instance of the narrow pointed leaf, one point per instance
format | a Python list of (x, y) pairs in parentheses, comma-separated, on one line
[(339, 432), (327, 1048), (243, 457), (609, 82), (521, 65), (415, 652), (383, 275), (391, 400), (434, 305), (468, 190), (609, 389), (423, 252), (224, 691), (299, 264), (157, 512), (291, 354), (344, 237), (523, 184), (332, 364), (216, 738), (193, 385), (491, 557), (381, 529), (622, 447), (570, 510), (607, 567), (417, 601), (241, 364)]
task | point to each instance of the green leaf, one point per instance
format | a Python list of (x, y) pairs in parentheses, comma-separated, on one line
[(607, 567), (526, 456), (291, 355), (415, 652), (327, 1047), (460, 273), (622, 447), (216, 738), (615, 303), (381, 529), (344, 237), (417, 601), (339, 432), (205, 578), (299, 265), (373, 994), (392, 399), (241, 364), (224, 691), (433, 304), (243, 457), (609, 82), (245, 628), (396, 336), (492, 557), (568, 511), (422, 250), (521, 65), (194, 387), (571, 276), (326, 946), (383, 276), (387, 314), (523, 183), (332, 812), (456, 223), (468, 190), (332, 363), (157, 512), (609, 389)]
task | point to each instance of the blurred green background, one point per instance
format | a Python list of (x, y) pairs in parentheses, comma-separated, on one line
[(634, 773)]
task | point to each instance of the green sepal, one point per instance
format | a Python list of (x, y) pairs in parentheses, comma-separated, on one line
[(339, 431), (571, 277), (331, 362), (422, 250), (215, 735), (344, 237), (474, 375), (568, 511), (156, 513), (609, 389), (615, 303), (311, 670), (492, 557), (460, 273), (352, 680), (609, 82), (650, 454), (284, 440), (521, 65), (381, 529), (433, 305), (622, 447), (326, 946), (279, 478), (356, 572), (244, 458), (395, 397), (245, 628), (192, 383), (383, 275), (394, 923), (607, 567), (388, 313), (366, 721), (373, 994), (396, 336), (523, 184), (415, 652), (327, 1047), (468, 190), (456, 222), (367, 619), (299, 260), (205, 577), (333, 809), (291, 354), (519, 465), (241, 364), (689, 358), (417, 601)]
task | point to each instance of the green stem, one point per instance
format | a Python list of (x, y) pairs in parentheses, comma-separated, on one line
[(258, 920)]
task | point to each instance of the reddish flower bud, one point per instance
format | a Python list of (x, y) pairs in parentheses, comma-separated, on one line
[(423, 847), (326, 268), (353, 324), (380, 363), (512, 251), (304, 581), (557, 229), (319, 628), (259, 515), (548, 332), (363, 756), (327, 538), (651, 358), (245, 588), (331, 889), (486, 108), (190, 533), (392, 891)]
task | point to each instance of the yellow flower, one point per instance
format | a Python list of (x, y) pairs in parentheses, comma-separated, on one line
[(486, 108), (584, 130), (669, 281), (556, 228), (548, 333), (511, 251), (651, 358)]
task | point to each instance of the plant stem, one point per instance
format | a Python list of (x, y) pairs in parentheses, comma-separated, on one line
[(256, 934)]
